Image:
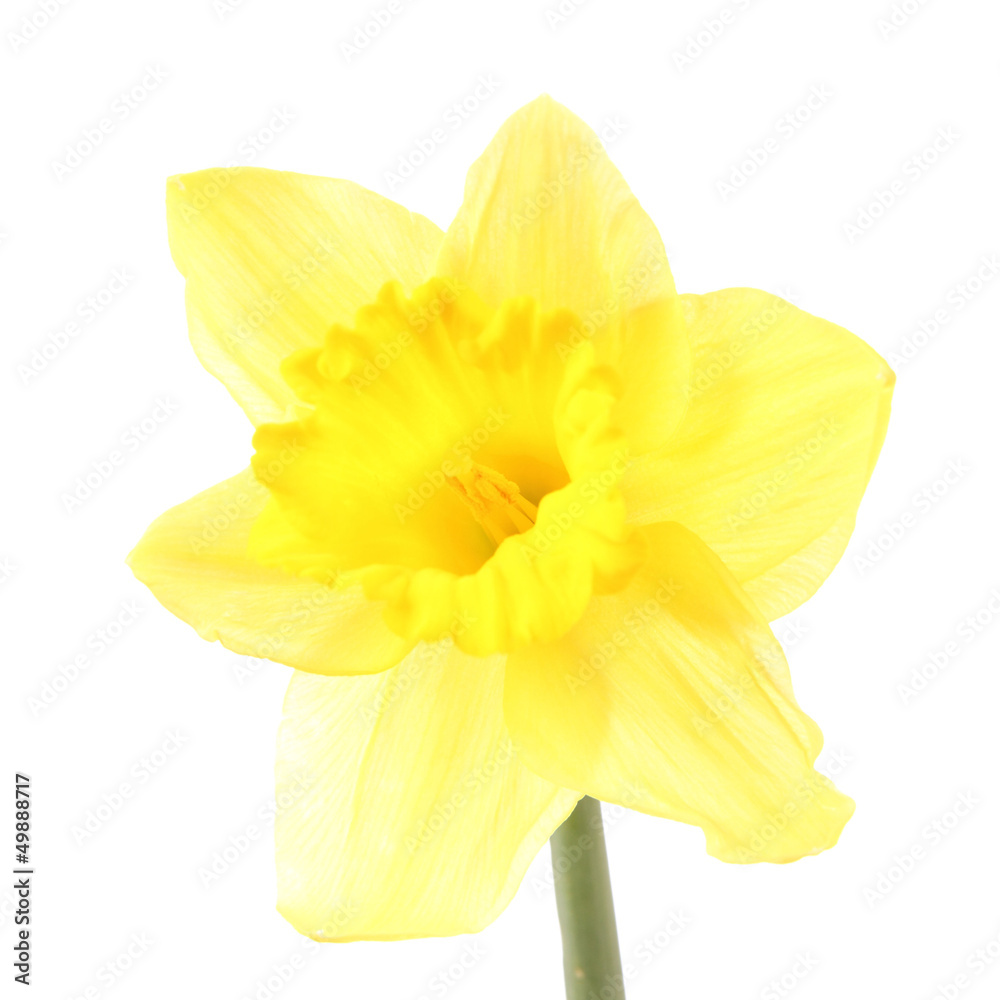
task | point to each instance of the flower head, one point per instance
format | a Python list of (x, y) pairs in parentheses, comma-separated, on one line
[(518, 514)]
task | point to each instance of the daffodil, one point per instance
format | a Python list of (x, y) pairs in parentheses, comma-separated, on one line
[(518, 515)]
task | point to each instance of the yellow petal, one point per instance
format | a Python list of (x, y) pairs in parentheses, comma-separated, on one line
[(403, 811), (273, 259), (673, 697), (193, 558), (546, 214), (786, 418)]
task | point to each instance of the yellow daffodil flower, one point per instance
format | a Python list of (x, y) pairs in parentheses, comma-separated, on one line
[(518, 516)]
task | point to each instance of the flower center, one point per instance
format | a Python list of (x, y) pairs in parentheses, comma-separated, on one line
[(406, 420), (495, 502)]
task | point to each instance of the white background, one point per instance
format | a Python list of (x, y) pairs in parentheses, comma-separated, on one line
[(227, 69)]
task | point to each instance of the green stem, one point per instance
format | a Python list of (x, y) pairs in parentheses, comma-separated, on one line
[(591, 960)]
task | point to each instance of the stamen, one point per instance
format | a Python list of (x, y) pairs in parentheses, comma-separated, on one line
[(526, 507), (495, 502)]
